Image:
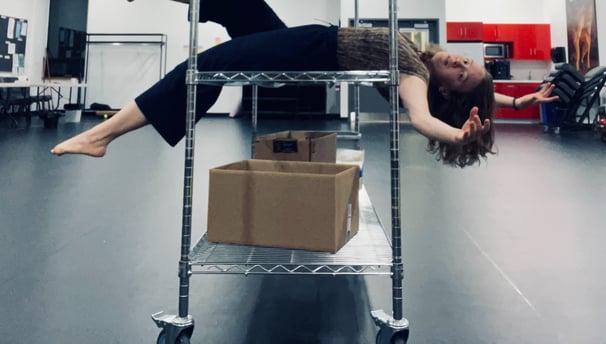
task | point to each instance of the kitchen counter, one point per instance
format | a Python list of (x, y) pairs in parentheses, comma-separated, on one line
[(517, 88), (514, 81)]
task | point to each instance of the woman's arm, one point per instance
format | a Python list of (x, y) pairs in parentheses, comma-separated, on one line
[(413, 92), (541, 96)]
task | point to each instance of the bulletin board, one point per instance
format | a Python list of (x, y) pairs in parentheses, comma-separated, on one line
[(13, 34)]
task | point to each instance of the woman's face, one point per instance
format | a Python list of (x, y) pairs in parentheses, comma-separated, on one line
[(456, 72)]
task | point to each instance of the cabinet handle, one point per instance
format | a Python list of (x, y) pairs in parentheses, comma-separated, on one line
[(460, 32), (465, 31)]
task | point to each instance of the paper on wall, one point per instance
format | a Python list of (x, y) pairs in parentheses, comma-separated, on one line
[(18, 29), (10, 31)]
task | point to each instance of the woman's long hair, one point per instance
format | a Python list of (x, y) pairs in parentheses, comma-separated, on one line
[(454, 110)]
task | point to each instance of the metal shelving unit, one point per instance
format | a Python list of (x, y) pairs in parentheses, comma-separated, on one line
[(369, 252), (277, 79)]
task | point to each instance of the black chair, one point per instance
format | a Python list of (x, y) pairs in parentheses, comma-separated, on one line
[(21, 102), (16, 102), (579, 96), (567, 81), (586, 114), (5, 109), (47, 112)]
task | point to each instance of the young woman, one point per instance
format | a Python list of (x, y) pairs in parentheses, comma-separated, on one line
[(450, 98)]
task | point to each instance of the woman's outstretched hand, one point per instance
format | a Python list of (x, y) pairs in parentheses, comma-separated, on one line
[(544, 94), (473, 128), (539, 97)]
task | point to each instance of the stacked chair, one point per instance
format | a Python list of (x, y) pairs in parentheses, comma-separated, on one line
[(47, 112), (579, 98), (15, 102)]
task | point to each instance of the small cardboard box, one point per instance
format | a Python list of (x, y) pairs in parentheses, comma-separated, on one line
[(287, 204), (291, 145)]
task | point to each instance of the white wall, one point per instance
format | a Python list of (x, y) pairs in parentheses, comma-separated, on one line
[(296, 12), (36, 13), (498, 11), (556, 14)]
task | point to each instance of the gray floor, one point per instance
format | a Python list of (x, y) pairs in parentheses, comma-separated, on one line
[(508, 252)]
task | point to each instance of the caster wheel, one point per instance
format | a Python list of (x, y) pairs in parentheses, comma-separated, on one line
[(604, 137), (183, 339), (557, 130), (397, 338), (545, 128)]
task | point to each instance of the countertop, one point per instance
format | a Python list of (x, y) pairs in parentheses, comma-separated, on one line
[(518, 81)]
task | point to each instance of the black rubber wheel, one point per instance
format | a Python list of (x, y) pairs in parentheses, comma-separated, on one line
[(183, 338), (604, 137), (398, 338), (161, 338)]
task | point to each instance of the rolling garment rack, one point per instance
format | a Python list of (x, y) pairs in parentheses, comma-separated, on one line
[(370, 252), (122, 40)]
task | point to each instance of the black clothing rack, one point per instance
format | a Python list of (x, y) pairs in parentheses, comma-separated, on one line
[(126, 39)]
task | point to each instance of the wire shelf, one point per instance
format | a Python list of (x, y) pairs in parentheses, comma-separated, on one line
[(368, 252), (278, 79)]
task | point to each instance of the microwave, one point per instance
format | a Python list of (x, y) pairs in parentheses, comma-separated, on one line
[(496, 50)]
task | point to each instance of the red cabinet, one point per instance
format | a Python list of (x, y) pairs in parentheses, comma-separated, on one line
[(501, 33), (529, 41), (533, 42), (464, 31), (517, 89)]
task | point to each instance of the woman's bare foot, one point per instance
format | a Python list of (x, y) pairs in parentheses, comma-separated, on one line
[(94, 141), (84, 143)]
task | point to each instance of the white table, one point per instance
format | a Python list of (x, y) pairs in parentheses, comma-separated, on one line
[(52, 89)]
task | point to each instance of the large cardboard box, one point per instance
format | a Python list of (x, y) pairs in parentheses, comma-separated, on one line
[(288, 204), (317, 146)]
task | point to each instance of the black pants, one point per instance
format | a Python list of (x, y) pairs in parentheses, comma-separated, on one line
[(164, 103), (304, 48), (240, 17)]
